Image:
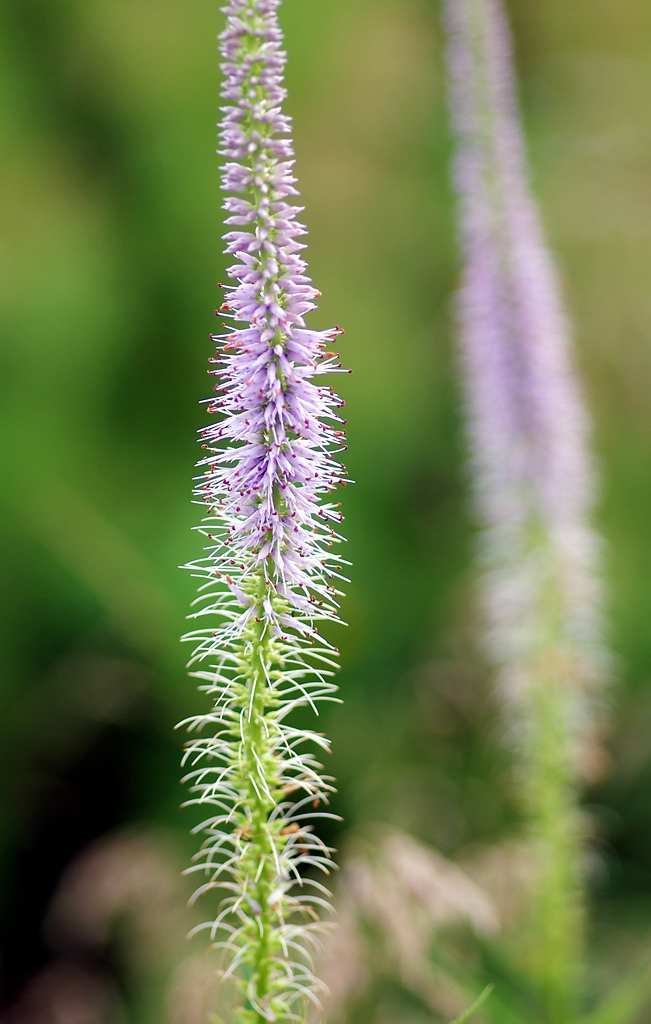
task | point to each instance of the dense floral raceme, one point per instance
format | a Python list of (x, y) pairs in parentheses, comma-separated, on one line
[(534, 479), (534, 484), (270, 572)]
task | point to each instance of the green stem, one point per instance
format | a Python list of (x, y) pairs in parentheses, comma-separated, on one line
[(255, 750), (552, 801), (260, 785)]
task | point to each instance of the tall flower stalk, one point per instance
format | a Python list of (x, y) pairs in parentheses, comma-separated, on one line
[(269, 575), (533, 483)]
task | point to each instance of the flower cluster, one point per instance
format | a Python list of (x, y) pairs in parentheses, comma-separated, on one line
[(533, 481), (534, 478), (269, 573)]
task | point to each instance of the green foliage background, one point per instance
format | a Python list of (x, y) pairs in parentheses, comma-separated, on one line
[(110, 254)]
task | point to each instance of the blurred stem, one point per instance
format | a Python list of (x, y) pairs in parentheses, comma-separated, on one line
[(478, 1003), (551, 802)]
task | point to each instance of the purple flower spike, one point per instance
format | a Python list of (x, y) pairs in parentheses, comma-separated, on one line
[(534, 484), (534, 480), (270, 574)]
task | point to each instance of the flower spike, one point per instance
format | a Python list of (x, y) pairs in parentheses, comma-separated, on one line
[(269, 574), (534, 488), (534, 478)]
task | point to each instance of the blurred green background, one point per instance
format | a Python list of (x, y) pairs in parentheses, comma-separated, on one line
[(110, 255)]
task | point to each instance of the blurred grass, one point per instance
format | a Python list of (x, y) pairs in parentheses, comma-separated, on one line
[(109, 259)]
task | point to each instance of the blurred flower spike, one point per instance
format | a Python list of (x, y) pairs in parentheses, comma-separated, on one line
[(533, 481), (270, 574), (534, 478)]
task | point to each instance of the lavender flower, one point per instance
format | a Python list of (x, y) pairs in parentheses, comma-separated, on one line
[(533, 478), (269, 571)]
